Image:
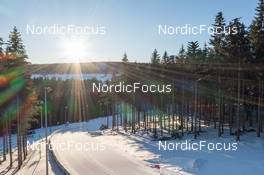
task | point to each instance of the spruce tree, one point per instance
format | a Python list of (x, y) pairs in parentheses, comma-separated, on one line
[(238, 44), (205, 50), (155, 58), (192, 48), (181, 55), (217, 40), (165, 58), (203, 54), (15, 49), (257, 33), (182, 52), (125, 59), (193, 52)]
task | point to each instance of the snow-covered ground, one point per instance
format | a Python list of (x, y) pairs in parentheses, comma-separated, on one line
[(245, 158), (85, 153), (34, 164), (37, 135), (35, 161)]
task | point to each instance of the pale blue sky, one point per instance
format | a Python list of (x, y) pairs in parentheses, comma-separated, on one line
[(131, 25)]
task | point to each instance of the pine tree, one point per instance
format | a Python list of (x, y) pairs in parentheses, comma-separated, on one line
[(238, 44), (182, 52), (257, 33), (193, 51), (181, 55), (155, 58), (205, 51), (217, 40), (125, 59), (192, 48), (165, 58), (15, 49)]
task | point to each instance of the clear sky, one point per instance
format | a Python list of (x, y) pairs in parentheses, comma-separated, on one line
[(131, 26)]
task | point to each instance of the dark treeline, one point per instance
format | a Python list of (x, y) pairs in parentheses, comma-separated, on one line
[(221, 83), (231, 42), (202, 95), (70, 100)]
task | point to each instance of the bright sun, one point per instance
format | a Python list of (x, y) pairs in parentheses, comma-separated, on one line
[(74, 48)]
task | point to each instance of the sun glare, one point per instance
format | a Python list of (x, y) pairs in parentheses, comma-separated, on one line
[(74, 49)]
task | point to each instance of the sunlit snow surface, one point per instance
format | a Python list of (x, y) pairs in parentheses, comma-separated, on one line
[(247, 159)]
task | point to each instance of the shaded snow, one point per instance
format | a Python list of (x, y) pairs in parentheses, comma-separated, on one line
[(246, 159)]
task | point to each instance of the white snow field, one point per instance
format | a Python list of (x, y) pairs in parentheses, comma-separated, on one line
[(35, 163), (127, 153), (96, 160)]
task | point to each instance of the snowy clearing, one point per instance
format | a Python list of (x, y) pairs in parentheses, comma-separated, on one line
[(247, 158), (142, 150)]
